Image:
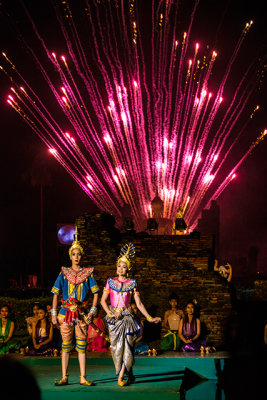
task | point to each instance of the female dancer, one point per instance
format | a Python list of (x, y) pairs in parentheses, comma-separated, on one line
[(123, 328), (189, 330), (42, 335), (32, 319), (7, 343)]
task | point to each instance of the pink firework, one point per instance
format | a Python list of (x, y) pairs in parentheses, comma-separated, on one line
[(136, 112)]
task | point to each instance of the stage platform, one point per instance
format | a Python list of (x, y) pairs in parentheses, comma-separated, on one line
[(171, 375)]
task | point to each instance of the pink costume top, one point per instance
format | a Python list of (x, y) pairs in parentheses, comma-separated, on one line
[(120, 292)]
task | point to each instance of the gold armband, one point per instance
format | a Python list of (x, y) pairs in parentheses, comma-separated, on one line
[(149, 318)]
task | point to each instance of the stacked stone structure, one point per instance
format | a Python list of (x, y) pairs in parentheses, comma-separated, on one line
[(163, 264)]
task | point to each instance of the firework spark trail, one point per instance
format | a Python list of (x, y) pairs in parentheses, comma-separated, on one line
[(124, 111), (232, 113), (222, 134), (41, 118), (189, 141), (87, 76), (196, 159), (188, 151), (232, 174), (170, 88), (180, 97), (47, 118), (226, 155), (220, 91), (145, 119), (92, 88)]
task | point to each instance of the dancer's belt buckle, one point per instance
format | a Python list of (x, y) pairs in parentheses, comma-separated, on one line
[(73, 308)]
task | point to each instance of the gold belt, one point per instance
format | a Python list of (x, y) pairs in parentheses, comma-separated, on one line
[(73, 308), (121, 309)]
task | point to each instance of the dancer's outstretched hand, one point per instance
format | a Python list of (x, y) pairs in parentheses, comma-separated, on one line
[(156, 320), (117, 314)]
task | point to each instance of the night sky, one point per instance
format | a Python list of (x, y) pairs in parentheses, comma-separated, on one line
[(243, 204)]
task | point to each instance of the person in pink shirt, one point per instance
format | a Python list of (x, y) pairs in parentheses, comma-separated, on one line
[(96, 337), (122, 325)]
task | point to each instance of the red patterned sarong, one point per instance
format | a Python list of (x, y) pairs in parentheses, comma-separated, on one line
[(75, 310)]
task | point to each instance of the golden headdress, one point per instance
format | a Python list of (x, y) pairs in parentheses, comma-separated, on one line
[(127, 254), (76, 243)]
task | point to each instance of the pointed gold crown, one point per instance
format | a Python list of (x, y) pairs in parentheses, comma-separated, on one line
[(76, 243), (127, 254)]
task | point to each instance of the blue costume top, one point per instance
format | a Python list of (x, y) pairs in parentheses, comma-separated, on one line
[(75, 287)]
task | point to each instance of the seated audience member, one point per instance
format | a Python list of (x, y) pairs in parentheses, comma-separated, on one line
[(140, 347), (7, 343), (172, 317), (48, 310), (97, 335), (189, 330), (32, 319), (42, 335), (17, 380)]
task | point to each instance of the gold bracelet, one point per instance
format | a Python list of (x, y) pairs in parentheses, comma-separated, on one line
[(149, 318), (110, 315)]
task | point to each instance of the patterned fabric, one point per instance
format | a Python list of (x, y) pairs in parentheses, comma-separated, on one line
[(68, 331), (80, 345), (75, 287), (122, 286), (75, 277), (96, 339), (123, 333), (67, 346)]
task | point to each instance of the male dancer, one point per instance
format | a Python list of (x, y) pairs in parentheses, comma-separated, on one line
[(75, 284)]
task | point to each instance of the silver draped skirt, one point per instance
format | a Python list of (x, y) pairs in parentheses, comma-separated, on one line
[(123, 333)]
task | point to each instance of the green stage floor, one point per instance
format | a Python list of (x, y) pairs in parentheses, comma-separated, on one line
[(157, 378)]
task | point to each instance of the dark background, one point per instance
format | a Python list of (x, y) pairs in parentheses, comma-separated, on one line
[(26, 166)]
